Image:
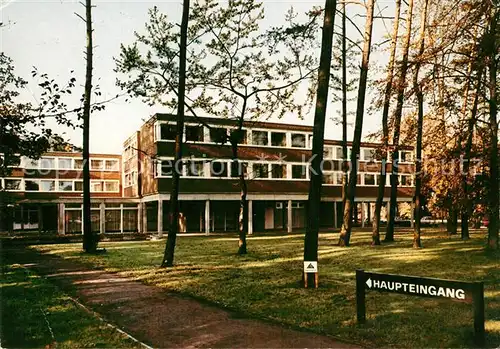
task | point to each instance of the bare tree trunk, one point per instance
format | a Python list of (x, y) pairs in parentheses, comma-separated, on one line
[(467, 206), (493, 47), (385, 128), (243, 215), (345, 231), (235, 138), (389, 235), (345, 164), (452, 221), (90, 239), (417, 243), (313, 208), (173, 218)]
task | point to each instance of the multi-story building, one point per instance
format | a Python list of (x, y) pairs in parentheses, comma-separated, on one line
[(275, 158), (46, 195), (131, 192)]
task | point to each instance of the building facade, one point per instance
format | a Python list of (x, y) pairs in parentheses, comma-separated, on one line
[(275, 159), (131, 192), (45, 195)]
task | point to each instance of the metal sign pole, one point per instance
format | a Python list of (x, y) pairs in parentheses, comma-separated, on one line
[(478, 303), (360, 296)]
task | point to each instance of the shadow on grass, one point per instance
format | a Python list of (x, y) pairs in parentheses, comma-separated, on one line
[(266, 283), (35, 314)]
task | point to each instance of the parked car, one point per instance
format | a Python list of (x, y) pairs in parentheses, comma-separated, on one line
[(428, 221)]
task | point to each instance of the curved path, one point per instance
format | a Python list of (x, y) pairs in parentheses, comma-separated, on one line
[(161, 319)]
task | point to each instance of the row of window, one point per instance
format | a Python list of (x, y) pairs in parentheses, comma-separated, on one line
[(65, 163), (130, 150), (130, 179), (50, 185), (365, 154), (261, 170), (115, 220), (366, 179), (295, 204), (198, 133)]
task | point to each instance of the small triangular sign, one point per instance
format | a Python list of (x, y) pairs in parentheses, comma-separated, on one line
[(310, 266)]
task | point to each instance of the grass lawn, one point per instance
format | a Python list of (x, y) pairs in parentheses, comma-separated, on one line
[(265, 283), (30, 304)]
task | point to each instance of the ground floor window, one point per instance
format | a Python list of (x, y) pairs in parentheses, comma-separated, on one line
[(26, 218), (112, 219), (73, 221), (130, 220), (95, 219)]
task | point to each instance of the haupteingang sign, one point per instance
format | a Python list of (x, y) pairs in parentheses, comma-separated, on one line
[(416, 289), (468, 292)]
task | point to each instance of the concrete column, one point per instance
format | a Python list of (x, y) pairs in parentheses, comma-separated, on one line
[(22, 217), (335, 220), (207, 217), (250, 217), (388, 210), (40, 219), (102, 217), (160, 218), (289, 225), (139, 217), (362, 214), (206, 134), (121, 218), (369, 212), (288, 140), (60, 219), (82, 226), (144, 214)]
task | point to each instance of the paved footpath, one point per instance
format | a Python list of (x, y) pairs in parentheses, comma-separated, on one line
[(161, 319)]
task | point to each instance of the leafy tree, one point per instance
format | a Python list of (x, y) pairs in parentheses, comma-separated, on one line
[(24, 129), (420, 123), (90, 238), (168, 257), (345, 85), (385, 127), (24, 126), (492, 48), (312, 227), (233, 70), (389, 236), (345, 232)]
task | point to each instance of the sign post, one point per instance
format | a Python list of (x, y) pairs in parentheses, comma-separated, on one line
[(311, 268), (468, 292)]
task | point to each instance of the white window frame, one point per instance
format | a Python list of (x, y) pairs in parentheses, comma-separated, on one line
[(406, 162), (194, 125), (332, 173), (412, 180), (375, 175), (71, 161), (65, 180), (305, 140), (374, 155), (271, 135), (53, 158), (21, 184)]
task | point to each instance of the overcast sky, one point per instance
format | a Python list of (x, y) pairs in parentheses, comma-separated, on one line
[(48, 35)]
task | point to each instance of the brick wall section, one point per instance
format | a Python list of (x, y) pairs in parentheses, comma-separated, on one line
[(147, 154)]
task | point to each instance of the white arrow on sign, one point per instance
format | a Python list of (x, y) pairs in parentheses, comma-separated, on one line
[(369, 283)]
